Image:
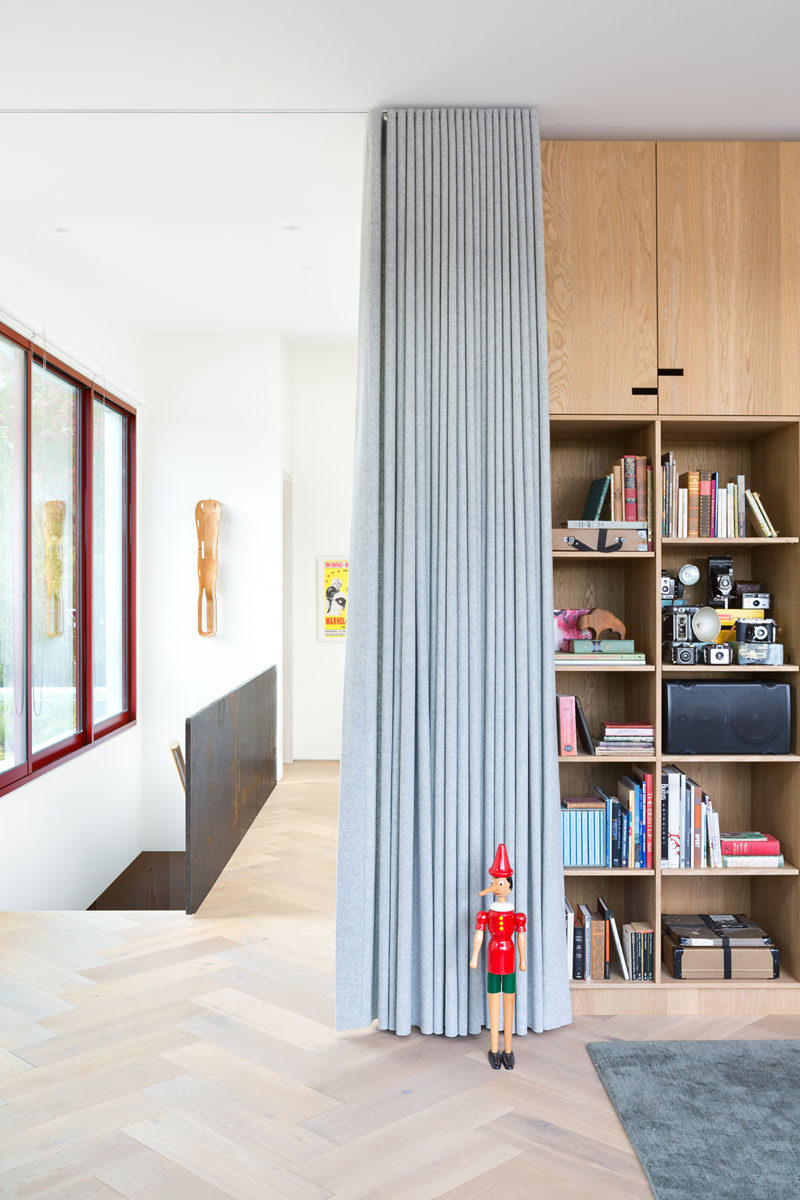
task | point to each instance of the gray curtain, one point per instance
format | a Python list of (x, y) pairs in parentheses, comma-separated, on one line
[(449, 742)]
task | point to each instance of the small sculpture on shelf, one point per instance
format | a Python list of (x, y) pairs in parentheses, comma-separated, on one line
[(503, 923)]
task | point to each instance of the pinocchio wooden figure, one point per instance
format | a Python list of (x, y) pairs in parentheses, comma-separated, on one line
[(501, 958)]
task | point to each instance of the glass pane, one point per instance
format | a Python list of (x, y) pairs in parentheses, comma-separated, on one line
[(54, 538), (110, 561), (12, 555)]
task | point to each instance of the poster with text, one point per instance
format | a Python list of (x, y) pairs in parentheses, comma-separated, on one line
[(332, 589)]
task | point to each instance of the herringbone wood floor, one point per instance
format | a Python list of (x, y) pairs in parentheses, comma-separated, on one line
[(154, 1055)]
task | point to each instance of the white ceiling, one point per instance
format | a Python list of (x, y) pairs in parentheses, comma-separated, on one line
[(182, 219)]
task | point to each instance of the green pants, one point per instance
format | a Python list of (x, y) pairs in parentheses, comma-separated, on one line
[(505, 983)]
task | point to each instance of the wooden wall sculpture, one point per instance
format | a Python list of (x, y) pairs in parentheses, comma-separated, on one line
[(53, 515), (206, 516)]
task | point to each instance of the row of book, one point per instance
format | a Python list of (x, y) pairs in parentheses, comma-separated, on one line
[(593, 938), (610, 831), (632, 738), (690, 831), (625, 494), (698, 504)]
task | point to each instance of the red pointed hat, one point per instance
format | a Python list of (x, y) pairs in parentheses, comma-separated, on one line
[(501, 867)]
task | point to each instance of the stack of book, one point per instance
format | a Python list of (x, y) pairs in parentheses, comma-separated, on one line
[(690, 831), (631, 737), (599, 653), (610, 831), (718, 946), (593, 940), (697, 504), (751, 849)]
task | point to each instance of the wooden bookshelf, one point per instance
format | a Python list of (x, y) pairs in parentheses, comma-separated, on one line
[(750, 791)]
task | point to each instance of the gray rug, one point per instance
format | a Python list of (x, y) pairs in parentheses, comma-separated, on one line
[(709, 1120)]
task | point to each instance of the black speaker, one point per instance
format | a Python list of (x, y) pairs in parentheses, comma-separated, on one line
[(710, 717)]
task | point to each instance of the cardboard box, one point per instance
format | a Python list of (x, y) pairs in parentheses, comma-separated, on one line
[(708, 962), (611, 541)]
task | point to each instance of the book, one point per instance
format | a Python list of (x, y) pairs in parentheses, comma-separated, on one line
[(577, 949), (749, 843), (598, 660), (640, 469), (704, 506), (617, 495), (602, 646), (599, 947), (583, 729), (763, 861), (611, 727), (650, 525), (612, 934), (690, 480), (645, 780), (629, 486), (565, 714), (741, 502), (569, 919), (772, 530), (596, 498), (759, 524)]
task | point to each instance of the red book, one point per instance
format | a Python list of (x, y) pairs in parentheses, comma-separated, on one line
[(641, 488), (697, 825), (629, 486), (744, 843), (567, 732)]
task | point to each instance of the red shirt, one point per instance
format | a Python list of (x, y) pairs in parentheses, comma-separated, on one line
[(503, 923)]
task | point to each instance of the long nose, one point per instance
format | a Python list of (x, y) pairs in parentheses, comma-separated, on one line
[(494, 888)]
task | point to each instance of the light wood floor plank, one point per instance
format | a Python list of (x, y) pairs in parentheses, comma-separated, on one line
[(150, 1176)]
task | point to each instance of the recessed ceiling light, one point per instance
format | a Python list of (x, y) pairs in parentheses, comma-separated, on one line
[(291, 228), (310, 268), (62, 229)]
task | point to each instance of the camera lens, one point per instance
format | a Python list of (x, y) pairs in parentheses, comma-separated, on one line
[(759, 633)]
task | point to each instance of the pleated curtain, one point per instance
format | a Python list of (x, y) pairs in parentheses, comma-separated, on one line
[(449, 742)]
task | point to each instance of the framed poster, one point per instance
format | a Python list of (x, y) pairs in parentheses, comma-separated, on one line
[(332, 597)]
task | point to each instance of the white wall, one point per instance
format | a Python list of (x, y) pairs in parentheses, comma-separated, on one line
[(69, 833), (320, 397), (212, 429)]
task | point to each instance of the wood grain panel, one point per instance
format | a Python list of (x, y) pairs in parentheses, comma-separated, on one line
[(727, 276), (600, 264), (231, 768)]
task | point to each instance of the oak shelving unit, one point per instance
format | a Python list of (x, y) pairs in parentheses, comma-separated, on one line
[(750, 791)]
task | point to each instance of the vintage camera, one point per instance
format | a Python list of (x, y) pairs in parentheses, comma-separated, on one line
[(752, 630), (667, 586), (720, 582), (717, 656), (684, 654), (763, 654), (677, 624), (755, 600)]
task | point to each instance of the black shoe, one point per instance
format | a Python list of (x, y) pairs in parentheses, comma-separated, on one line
[(508, 1059), (495, 1060)]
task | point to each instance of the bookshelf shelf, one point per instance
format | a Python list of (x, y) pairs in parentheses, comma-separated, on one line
[(753, 791)]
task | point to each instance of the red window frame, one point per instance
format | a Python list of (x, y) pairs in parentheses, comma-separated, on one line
[(38, 763)]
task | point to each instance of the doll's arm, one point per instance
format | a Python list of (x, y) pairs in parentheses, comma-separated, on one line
[(522, 941), (477, 941)]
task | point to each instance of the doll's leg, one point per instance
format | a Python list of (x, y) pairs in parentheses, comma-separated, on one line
[(508, 1019), (494, 1021)]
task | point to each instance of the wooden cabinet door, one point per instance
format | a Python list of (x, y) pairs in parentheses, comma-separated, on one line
[(728, 260), (600, 264)]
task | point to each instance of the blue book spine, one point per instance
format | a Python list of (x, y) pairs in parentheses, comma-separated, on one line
[(584, 839)]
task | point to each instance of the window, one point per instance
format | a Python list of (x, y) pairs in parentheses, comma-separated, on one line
[(66, 561)]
